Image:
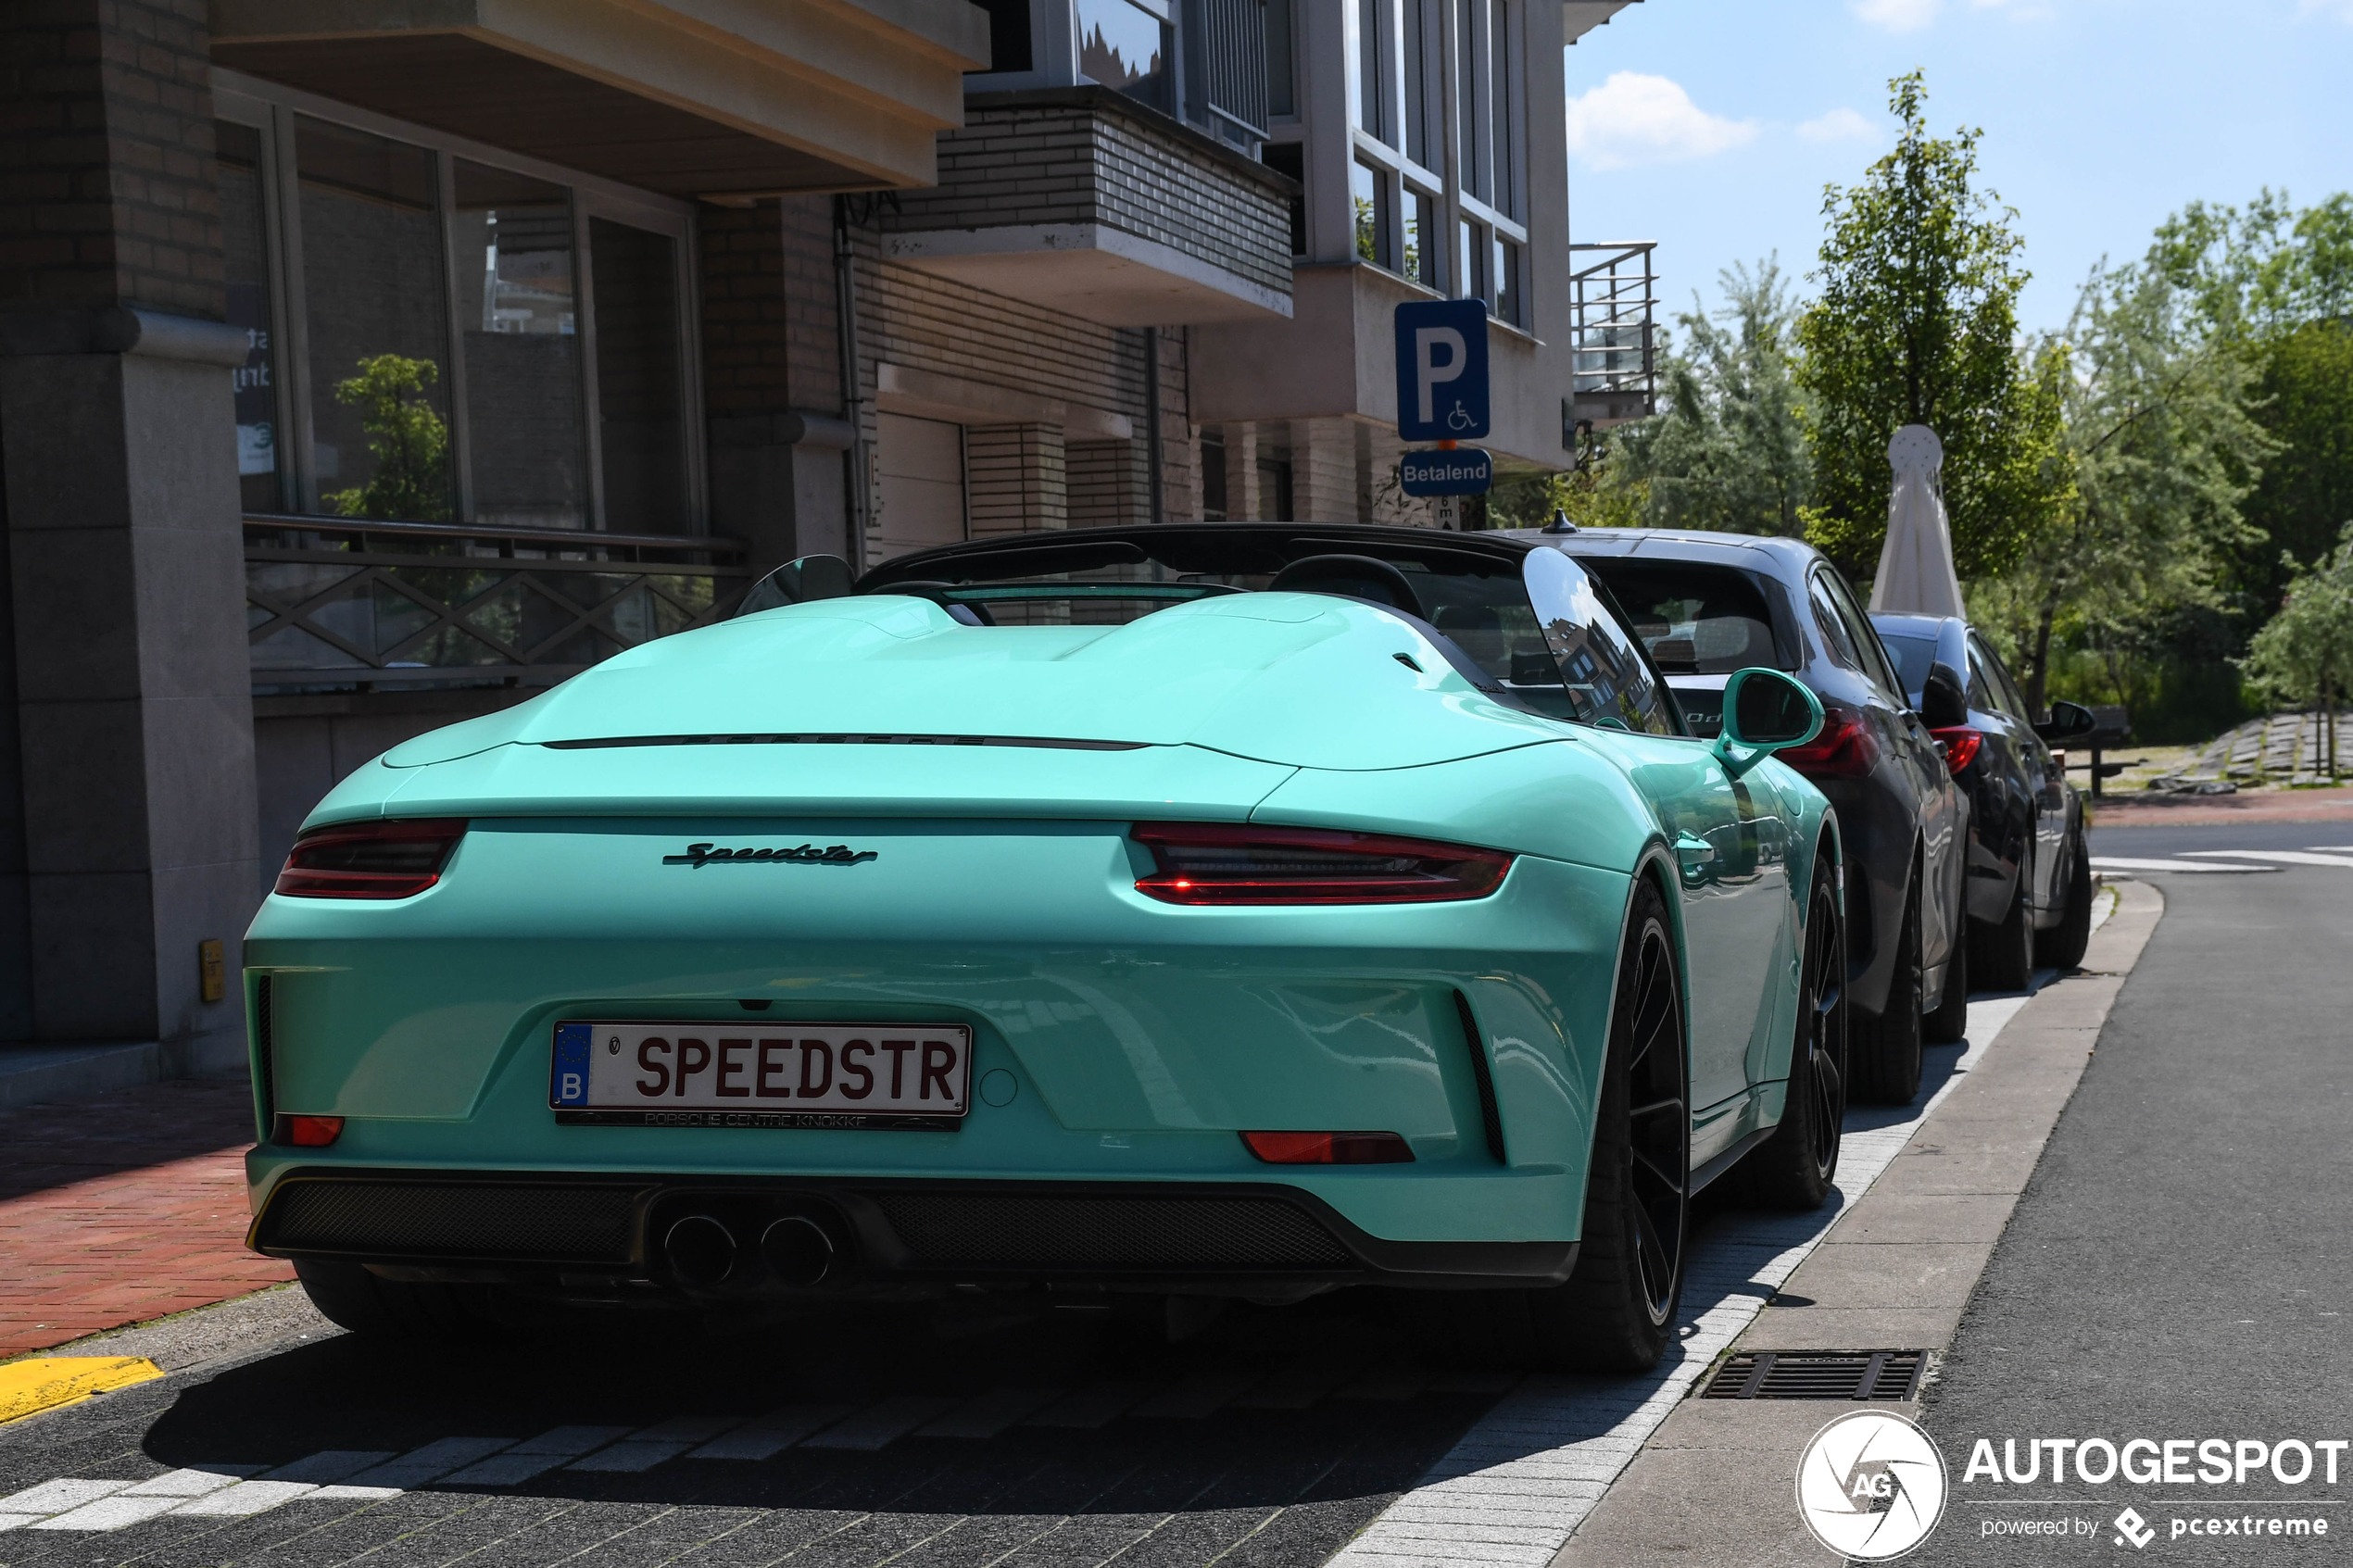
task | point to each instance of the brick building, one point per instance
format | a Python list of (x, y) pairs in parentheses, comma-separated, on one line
[(365, 367)]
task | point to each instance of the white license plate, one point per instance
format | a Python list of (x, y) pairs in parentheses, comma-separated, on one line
[(704, 1075)]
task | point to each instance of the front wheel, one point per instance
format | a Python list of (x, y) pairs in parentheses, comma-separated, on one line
[(2062, 945), (1793, 1168)]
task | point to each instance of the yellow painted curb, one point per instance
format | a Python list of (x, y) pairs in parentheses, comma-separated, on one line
[(41, 1382)]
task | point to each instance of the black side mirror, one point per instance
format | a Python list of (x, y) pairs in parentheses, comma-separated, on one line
[(1943, 698), (797, 581), (2067, 721)]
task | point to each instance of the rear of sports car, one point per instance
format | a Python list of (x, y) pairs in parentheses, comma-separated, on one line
[(613, 1009)]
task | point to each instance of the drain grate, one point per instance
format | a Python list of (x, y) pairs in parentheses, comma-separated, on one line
[(1819, 1375)]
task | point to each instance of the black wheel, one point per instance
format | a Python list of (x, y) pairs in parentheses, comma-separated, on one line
[(1795, 1167), (385, 1309), (2062, 945), (1949, 1023), (2005, 956), (1617, 1313), (1885, 1054)]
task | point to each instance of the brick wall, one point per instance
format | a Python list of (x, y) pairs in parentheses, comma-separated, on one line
[(771, 336), (1015, 479), (1094, 157), (108, 189)]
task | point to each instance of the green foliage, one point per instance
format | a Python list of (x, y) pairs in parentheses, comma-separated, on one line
[(1599, 491), (1728, 449), (2261, 269), (2159, 441), (2305, 653), (409, 439), (1916, 324)]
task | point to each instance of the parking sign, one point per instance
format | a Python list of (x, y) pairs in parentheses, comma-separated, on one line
[(1442, 371)]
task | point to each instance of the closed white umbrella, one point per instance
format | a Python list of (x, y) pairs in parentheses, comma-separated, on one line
[(1916, 575)]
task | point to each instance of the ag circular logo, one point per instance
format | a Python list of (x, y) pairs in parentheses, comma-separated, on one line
[(1871, 1485)]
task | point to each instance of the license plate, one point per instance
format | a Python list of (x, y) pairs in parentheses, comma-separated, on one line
[(701, 1074)]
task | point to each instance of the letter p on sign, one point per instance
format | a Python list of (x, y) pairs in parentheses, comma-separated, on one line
[(1442, 371)]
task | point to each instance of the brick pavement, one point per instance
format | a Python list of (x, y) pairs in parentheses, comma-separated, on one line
[(123, 1207)]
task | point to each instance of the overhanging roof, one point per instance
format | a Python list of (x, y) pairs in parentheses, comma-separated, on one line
[(713, 98), (1581, 17)]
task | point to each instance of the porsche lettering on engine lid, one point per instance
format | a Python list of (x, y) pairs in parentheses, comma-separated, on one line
[(705, 1075)]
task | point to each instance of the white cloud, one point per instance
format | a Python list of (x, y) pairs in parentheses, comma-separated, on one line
[(1839, 125), (1634, 119), (1898, 16)]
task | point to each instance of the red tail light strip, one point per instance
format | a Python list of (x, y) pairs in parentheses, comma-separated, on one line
[(1242, 864), (1329, 1148), (371, 859), (1960, 745), (1844, 749)]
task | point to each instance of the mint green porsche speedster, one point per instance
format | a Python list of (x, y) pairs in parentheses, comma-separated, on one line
[(1189, 912)]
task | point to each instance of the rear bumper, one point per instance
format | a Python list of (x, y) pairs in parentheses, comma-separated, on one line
[(601, 1233)]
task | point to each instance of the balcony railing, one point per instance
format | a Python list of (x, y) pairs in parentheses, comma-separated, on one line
[(1613, 302), (332, 603)]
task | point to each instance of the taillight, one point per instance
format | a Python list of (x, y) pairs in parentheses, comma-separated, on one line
[(1844, 747), (1231, 864), (309, 1132), (370, 860), (1960, 745), (1329, 1148)]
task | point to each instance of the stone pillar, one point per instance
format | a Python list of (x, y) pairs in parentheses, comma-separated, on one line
[(132, 773), (1015, 479), (1323, 470), (772, 379), (1241, 472)]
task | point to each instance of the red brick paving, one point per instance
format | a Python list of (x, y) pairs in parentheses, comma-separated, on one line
[(2121, 810), (123, 1207)]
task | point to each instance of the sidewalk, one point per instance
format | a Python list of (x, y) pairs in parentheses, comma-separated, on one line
[(123, 1207)]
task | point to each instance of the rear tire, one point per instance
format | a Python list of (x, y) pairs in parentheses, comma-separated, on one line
[(1885, 1055), (2062, 946), (1794, 1169), (1616, 1312), (387, 1309), (2005, 956), (1949, 1023)]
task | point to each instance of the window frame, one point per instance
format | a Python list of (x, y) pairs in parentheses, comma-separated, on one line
[(271, 108)]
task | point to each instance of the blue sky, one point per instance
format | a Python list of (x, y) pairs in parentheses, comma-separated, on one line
[(1711, 126)]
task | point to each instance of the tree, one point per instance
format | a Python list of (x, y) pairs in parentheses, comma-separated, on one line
[(408, 437), (1916, 324), (2306, 651), (2159, 444), (1728, 449)]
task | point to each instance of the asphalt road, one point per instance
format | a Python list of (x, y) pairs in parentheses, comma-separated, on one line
[(2181, 1266)]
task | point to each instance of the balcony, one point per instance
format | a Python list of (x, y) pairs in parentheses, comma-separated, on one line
[(1081, 200), (338, 603), (1613, 306)]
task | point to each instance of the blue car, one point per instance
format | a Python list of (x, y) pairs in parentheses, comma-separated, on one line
[(1143, 916)]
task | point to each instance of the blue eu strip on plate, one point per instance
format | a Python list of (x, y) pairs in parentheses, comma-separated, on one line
[(569, 1082)]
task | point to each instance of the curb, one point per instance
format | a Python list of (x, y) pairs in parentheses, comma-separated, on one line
[(29, 1075)]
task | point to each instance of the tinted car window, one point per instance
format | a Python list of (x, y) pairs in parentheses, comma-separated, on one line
[(1913, 657), (1608, 681), (2005, 694), (1862, 634), (1832, 625), (1696, 620)]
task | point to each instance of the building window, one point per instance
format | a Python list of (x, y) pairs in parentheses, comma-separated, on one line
[(245, 231), (1420, 48), (1474, 164), (1282, 69), (1368, 190), (1008, 35), (1369, 60), (517, 316), (1503, 103), (1511, 304), (1470, 277), (1274, 485), (640, 423), (1291, 158), (378, 334), (1125, 48), (1424, 238)]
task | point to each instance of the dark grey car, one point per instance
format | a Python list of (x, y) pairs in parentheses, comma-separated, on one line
[(2029, 874), (1709, 603)]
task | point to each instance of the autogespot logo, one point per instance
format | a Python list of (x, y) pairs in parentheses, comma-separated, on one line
[(1871, 1485)]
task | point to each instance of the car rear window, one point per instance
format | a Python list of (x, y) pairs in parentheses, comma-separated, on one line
[(1913, 656), (1696, 618)]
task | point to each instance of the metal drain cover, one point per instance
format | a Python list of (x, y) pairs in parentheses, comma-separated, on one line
[(1819, 1375)]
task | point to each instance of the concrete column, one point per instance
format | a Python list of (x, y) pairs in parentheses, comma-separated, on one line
[(1241, 472), (1323, 470), (134, 706), (1015, 478)]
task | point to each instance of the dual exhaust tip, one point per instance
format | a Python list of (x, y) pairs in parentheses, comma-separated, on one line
[(703, 1251)]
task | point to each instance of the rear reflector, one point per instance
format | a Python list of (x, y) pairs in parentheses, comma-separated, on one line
[(1238, 863), (1329, 1148), (309, 1132), (370, 860)]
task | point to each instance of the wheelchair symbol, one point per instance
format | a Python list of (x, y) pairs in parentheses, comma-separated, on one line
[(1458, 417)]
